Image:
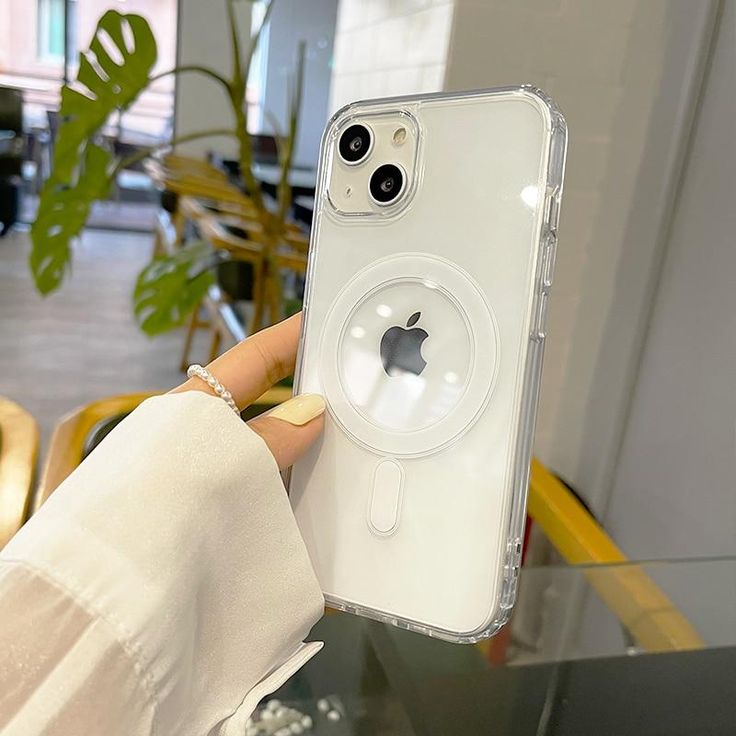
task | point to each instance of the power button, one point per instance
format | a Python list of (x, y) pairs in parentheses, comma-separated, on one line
[(540, 317)]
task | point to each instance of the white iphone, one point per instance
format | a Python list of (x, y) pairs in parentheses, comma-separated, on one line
[(424, 323)]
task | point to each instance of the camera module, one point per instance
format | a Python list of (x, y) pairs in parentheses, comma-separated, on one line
[(355, 144), (386, 184)]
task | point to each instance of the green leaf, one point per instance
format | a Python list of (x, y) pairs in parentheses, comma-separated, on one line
[(111, 75), (170, 287), (62, 212)]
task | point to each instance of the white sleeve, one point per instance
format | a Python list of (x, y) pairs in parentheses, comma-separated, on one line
[(162, 589)]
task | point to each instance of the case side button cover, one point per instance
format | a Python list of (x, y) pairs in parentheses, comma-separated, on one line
[(548, 263), (385, 503), (511, 568), (539, 323)]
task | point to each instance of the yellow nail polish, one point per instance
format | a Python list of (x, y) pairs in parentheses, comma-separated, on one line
[(299, 410)]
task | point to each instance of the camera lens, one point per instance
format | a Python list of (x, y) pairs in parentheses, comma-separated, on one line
[(355, 144), (387, 183)]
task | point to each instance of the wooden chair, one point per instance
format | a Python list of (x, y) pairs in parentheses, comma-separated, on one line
[(196, 180), (244, 240), (193, 207), (243, 250), (189, 177), (203, 193), (18, 453), (80, 431), (228, 219)]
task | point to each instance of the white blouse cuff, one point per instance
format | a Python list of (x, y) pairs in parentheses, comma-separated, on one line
[(177, 533)]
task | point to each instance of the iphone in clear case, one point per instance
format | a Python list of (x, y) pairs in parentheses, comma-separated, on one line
[(424, 323)]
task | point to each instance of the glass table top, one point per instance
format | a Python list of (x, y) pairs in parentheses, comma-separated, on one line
[(565, 665)]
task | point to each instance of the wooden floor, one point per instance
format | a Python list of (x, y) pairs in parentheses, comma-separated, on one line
[(82, 342)]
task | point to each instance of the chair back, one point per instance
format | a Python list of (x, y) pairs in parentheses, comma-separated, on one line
[(18, 452), (80, 431), (70, 442)]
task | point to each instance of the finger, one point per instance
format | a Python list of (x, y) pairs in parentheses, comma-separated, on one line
[(254, 365), (291, 428)]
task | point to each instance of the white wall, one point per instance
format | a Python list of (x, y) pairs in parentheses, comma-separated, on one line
[(625, 74), (389, 47), (201, 103), (675, 487), (622, 75), (665, 62), (312, 21)]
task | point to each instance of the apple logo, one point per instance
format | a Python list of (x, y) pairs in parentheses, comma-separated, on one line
[(401, 349)]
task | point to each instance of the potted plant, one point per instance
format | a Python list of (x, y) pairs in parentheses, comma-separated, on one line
[(171, 286)]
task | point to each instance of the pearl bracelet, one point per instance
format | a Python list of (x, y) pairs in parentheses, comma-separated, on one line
[(214, 384)]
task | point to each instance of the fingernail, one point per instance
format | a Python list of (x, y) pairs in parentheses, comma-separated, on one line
[(299, 410)]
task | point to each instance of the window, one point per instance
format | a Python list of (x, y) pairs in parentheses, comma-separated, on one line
[(50, 37), (258, 70)]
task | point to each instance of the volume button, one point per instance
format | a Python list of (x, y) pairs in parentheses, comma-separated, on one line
[(554, 213), (552, 210), (548, 263)]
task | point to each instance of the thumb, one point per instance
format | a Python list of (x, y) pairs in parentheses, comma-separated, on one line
[(291, 427)]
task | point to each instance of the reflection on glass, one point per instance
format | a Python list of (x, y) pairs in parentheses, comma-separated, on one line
[(530, 196)]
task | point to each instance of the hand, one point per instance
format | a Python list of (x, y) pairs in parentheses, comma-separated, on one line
[(251, 368)]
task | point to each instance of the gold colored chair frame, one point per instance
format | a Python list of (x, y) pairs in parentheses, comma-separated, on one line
[(19, 437), (70, 434), (195, 181), (69, 438)]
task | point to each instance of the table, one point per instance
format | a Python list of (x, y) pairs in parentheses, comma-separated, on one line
[(579, 676), (303, 181)]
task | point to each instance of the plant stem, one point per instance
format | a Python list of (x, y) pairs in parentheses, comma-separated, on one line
[(246, 158), (238, 87), (192, 68), (140, 155), (237, 79)]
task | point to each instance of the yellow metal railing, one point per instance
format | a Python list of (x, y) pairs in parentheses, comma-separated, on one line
[(640, 605)]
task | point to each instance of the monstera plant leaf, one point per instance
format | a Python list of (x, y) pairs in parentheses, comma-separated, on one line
[(111, 75), (62, 212), (170, 287)]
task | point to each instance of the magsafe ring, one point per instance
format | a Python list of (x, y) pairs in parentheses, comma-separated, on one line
[(410, 350)]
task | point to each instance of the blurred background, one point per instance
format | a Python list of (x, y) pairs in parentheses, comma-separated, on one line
[(637, 422)]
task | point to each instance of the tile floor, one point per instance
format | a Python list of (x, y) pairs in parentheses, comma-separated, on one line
[(81, 343)]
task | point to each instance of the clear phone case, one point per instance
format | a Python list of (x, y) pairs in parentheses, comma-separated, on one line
[(424, 327)]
